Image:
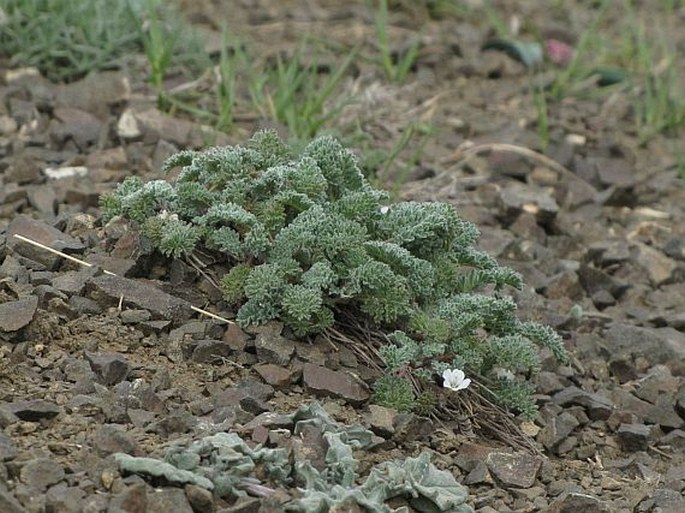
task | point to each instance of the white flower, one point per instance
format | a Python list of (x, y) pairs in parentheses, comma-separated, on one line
[(164, 214), (384, 209), (504, 374), (455, 379)]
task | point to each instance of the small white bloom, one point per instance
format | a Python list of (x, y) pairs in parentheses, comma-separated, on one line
[(504, 374), (164, 214), (455, 379), (384, 209)]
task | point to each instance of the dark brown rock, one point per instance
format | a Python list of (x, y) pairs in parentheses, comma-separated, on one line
[(634, 437), (200, 499), (96, 93), (14, 315), (275, 375), (166, 500), (41, 473), (597, 407), (596, 280), (576, 502), (530, 199), (110, 439), (557, 429), (111, 368), (132, 499), (77, 125), (210, 351), (34, 410), (274, 349), (108, 290), (64, 499), (7, 448), (514, 469), (46, 235), (344, 384), (8, 504)]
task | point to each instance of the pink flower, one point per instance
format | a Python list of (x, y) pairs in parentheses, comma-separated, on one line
[(558, 52)]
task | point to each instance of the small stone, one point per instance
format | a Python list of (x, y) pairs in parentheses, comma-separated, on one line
[(111, 368), (573, 502), (24, 169), (134, 316), (516, 470), (634, 437), (270, 420), (200, 499), (530, 199), (235, 337), (210, 351), (118, 266), (7, 448), (244, 505), (666, 501), (659, 267), (15, 315), (563, 285), (675, 248), (64, 499), (680, 401), (274, 349), (232, 397), (108, 290), (479, 475), (658, 382), (275, 375), (342, 384), (8, 504), (549, 382), (41, 473), (73, 282), (609, 483), (128, 126), (44, 199), (96, 93), (34, 410), (59, 173), (132, 499), (156, 125), (110, 439), (603, 299), (557, 429), (381, 420), (598, 407), (45, 234)]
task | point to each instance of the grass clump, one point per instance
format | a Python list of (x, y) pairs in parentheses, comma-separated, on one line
[(295, 90), (67, 39), (307, 237)]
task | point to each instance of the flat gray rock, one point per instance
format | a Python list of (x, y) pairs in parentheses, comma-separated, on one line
[(108, 289), (14, 315), (324, 381)]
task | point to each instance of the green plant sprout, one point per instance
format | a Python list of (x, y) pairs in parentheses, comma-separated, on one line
[(66, 40), (542, 110), (225, 85), (163, 38), (295, 92), (396, 68), (306, 237)]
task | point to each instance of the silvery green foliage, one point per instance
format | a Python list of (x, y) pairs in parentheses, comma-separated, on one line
[(308, 235), (225, 464)]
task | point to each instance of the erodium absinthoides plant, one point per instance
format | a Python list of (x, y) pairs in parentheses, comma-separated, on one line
[(305, 236)]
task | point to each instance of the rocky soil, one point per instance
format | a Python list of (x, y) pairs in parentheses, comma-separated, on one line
[(93, 364)]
